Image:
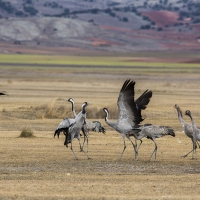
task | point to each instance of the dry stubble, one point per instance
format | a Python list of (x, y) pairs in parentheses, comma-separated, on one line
[(42, 168)]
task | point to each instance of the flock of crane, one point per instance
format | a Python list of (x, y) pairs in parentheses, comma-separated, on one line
[(127, 124)]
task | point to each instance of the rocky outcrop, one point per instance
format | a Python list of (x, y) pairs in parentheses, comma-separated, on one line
[(29, 29)]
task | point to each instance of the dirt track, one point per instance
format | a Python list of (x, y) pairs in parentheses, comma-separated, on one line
[(42, 168)]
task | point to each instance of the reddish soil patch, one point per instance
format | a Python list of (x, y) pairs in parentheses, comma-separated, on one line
[(112, 28), (162, 18), (197, 27), (102, 42), (193, 61)]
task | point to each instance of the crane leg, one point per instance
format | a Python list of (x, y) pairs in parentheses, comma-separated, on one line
[(86, 155), (85, 133), (85, 139), (134, 147), (82, 149), (198, 144), (191, 150), (187, 154), (139, 144), (65, 142), (154, 151), (73, 151), (123, 150), (194, 150)]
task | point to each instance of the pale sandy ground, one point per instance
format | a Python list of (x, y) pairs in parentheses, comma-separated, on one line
[(43, 168)]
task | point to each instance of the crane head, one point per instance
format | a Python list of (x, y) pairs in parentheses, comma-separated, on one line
[(70, 100), (187, 112), (105, 110), (85, 104), (176, 106)]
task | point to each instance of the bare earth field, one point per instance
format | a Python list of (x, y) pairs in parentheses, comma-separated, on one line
[(43, 168)]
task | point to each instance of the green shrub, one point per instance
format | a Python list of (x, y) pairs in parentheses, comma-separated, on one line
[(26, 133)]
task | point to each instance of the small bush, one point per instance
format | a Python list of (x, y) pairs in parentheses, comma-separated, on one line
[(125, 19), (159, 29), (26, 133), (50, 111)]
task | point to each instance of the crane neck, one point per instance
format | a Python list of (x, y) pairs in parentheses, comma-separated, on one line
[(180, 116), (83, 109), (73, 109), (193, 123), (112, 124), (106, 117)]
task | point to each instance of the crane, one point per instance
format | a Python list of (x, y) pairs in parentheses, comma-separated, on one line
[(88, 126), (95, 126), (187, 128), (72, 127), (129, 112), (152, 132), (196, 132)]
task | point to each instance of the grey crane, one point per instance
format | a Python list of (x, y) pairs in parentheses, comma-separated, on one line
[(95, 126), (152, 132), (129, 112), (187, 128), (72, 127), (196, 132)]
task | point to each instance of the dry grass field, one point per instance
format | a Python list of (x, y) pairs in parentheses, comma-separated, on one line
[(41, 167)]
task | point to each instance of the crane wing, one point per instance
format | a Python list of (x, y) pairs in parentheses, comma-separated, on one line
[(126, 104), (143, 101), (63, 126)]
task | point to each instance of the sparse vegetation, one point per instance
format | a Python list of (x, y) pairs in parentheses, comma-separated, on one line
[(125, 19), (31, 10), (28, 1), (135, 16), (145, 27), (112, 14), (50, 111), (26, 133), (186, 9), (7, 6), (159, 29)]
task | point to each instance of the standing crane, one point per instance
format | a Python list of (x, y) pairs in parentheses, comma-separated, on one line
[(152, 132), (196, 132), (95, 126), (88, 126), (72, 127), (129, 112), (187, 128)]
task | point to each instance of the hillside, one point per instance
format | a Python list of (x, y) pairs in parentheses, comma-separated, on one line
[(101, 25)]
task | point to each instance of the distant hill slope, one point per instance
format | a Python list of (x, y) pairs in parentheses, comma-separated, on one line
[(102, 25)]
